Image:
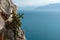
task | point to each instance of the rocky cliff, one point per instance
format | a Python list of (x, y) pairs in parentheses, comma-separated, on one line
[(6, 8)]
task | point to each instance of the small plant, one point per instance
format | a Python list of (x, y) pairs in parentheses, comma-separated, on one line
[(16, 23)]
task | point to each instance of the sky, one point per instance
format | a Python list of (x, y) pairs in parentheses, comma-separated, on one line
[(34, 3)]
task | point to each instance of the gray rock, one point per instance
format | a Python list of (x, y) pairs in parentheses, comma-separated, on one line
[(6, 7)]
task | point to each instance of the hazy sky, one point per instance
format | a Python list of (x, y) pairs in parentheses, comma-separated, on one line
[(31, 4), (24, 3)]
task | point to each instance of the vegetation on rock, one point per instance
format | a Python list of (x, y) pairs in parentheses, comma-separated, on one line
[(15, 24)]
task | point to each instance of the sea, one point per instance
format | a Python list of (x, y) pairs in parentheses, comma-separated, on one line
[(39, 25)]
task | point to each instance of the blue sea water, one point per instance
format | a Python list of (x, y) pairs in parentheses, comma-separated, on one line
[(41, 25)]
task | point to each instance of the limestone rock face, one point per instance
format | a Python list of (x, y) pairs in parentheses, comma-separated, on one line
[(6, 8), (2, 24)]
